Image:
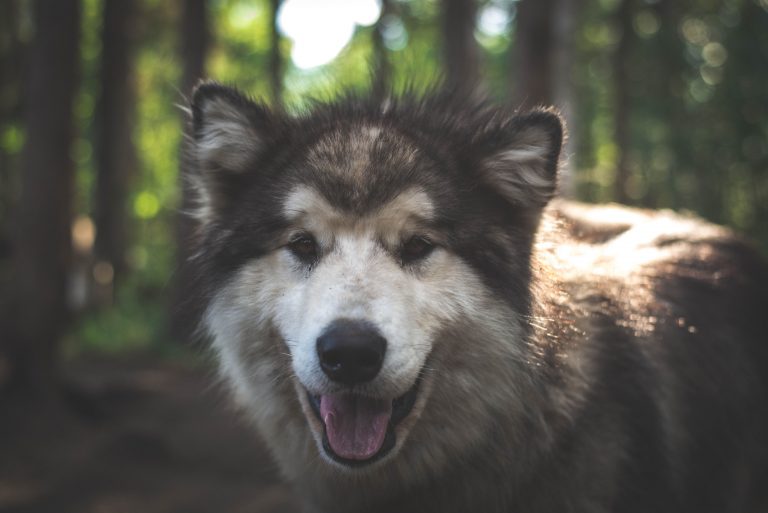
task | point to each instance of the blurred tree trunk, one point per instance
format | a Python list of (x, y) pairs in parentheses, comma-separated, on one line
[(460, 50), (669, 88), (195, 41), (12, 53), (542, 64), (42, 243), (533, 53), (743, 62), (11, 60), (275, 56), (621, 106), (564, 55), (382, 67), (115, 152)]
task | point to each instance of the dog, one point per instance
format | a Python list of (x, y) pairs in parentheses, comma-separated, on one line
[(415, 323)]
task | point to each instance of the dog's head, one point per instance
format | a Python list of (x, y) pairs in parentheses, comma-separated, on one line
[(369, 265)]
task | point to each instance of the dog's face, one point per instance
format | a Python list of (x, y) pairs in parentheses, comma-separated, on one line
[(357, 253)]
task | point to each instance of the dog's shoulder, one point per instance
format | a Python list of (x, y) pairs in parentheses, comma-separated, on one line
[(608, 243), (659, 275)]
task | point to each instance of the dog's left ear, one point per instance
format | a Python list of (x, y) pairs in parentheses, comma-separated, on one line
[(521, 158), (229, 129), (229, 134)]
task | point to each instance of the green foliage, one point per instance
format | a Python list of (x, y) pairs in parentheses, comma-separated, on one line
[(415, 50), (241, 49)]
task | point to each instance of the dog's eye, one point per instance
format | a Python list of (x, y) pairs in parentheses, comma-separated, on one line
[(304, 247), (416, 248)]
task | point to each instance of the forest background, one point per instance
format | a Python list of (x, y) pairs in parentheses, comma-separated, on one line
[(666, 103)]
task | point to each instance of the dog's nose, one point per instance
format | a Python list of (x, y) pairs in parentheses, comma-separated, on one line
[(351, 351)]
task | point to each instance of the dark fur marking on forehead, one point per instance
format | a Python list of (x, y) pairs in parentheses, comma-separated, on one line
[(379, 170)]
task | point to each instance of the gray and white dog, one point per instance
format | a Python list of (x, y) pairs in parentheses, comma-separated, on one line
[(415, 325)]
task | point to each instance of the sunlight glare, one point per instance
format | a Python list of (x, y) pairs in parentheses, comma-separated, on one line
[(321, 30), (494, 20)]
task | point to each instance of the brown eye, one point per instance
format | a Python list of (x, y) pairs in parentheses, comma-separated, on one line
[(416, 248), (304, 248)]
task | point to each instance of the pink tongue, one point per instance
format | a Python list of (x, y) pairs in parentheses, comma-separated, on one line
[(356, 426)]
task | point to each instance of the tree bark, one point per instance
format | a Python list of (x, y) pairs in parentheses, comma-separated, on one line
[(195, 41), (12, 55), (564, 55), (533, 53), (621, 107), (275, 56), (115, 152), (460, 50), (42, 239), (12, 59)]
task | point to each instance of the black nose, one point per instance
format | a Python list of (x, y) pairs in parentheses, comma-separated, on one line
[(351, 351)]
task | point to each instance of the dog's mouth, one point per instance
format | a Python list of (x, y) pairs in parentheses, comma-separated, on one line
[(359, 430)]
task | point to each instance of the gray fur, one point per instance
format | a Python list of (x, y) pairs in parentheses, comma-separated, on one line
[(572, 358)]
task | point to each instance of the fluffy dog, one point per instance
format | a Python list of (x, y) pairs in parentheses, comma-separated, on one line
[(415, 325)]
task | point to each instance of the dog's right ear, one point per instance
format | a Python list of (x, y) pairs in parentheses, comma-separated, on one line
[(229, 133), (229, 130), (522, 158)]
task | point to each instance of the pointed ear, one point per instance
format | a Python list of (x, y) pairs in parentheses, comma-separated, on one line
[(229, 129), (522, 159), (229, 133)]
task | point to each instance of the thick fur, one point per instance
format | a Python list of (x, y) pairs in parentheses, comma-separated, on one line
[(570, 358)]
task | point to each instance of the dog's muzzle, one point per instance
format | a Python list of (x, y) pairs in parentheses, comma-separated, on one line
[(357, 429)]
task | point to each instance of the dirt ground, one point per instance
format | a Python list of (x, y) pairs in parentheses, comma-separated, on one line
[(136, 438)]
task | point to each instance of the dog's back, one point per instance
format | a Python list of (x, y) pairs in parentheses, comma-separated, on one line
[(666, 319), (415, 327)]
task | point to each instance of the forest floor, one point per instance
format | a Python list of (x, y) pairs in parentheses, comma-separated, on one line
[(136, 438)]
